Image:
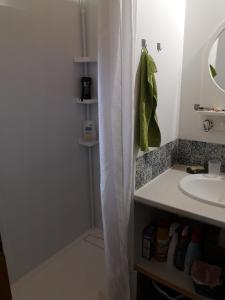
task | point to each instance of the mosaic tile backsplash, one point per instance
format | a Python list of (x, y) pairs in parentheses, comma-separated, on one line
[(185, 152), (199, 153), (155, 162)]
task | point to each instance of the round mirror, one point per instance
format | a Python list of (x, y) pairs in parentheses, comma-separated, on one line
[(217, 61)]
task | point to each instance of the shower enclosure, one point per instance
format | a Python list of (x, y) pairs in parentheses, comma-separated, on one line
[(49, 179)]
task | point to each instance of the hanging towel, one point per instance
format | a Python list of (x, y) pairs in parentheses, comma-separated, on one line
[(148, 129)]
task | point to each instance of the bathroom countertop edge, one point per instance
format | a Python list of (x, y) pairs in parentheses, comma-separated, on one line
[(164, 193)]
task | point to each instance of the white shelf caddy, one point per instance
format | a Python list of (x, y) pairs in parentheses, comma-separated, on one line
[(211, 113), (85, 60), (89, 144)]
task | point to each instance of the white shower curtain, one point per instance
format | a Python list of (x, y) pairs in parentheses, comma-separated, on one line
[(117, 24)]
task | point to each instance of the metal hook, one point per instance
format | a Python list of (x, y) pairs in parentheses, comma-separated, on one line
[(143, 43), (159, 47)]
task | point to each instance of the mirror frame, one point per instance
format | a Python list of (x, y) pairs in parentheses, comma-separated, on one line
[(211, 42)]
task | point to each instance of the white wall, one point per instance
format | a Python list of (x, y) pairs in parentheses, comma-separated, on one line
[(203, 17), (44, 201), (163, 21)]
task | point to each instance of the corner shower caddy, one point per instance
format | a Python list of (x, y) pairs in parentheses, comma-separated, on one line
[(85, 61)]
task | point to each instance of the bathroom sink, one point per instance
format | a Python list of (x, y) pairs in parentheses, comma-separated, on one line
[(202, 187)]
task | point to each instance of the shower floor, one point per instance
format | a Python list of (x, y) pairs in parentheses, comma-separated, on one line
[(75, 273)]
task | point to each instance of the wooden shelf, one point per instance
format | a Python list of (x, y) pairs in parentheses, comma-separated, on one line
[(211, 113), (84, 143), (85, 59), (86, 101), (168, 276)]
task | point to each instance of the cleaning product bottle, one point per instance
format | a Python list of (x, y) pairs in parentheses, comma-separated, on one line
[(162, 241), (193, 251), (173, 244), (89, 131), (182, 248)]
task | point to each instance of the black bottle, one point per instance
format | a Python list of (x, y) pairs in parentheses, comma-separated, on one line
[(86, 88)]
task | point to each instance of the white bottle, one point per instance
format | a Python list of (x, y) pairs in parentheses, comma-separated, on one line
[(89, 131), (173, 244)]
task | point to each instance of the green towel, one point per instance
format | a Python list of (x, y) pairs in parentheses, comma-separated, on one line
[(148, 131), (213, 71)]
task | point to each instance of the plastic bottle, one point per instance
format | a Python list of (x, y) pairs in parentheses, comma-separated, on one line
[(148, 242), (86, 88), (221, 238), (89, 129), (162, 241), (172, 250), (193, 251), (173, 244), (182, 248)]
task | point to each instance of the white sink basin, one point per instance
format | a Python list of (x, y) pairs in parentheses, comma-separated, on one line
[(204, 188)]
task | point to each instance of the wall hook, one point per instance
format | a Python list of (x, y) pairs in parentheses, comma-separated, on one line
[(143, 43), (159, 48)]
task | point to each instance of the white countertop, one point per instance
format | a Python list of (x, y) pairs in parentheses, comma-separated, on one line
[(163, 193)]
